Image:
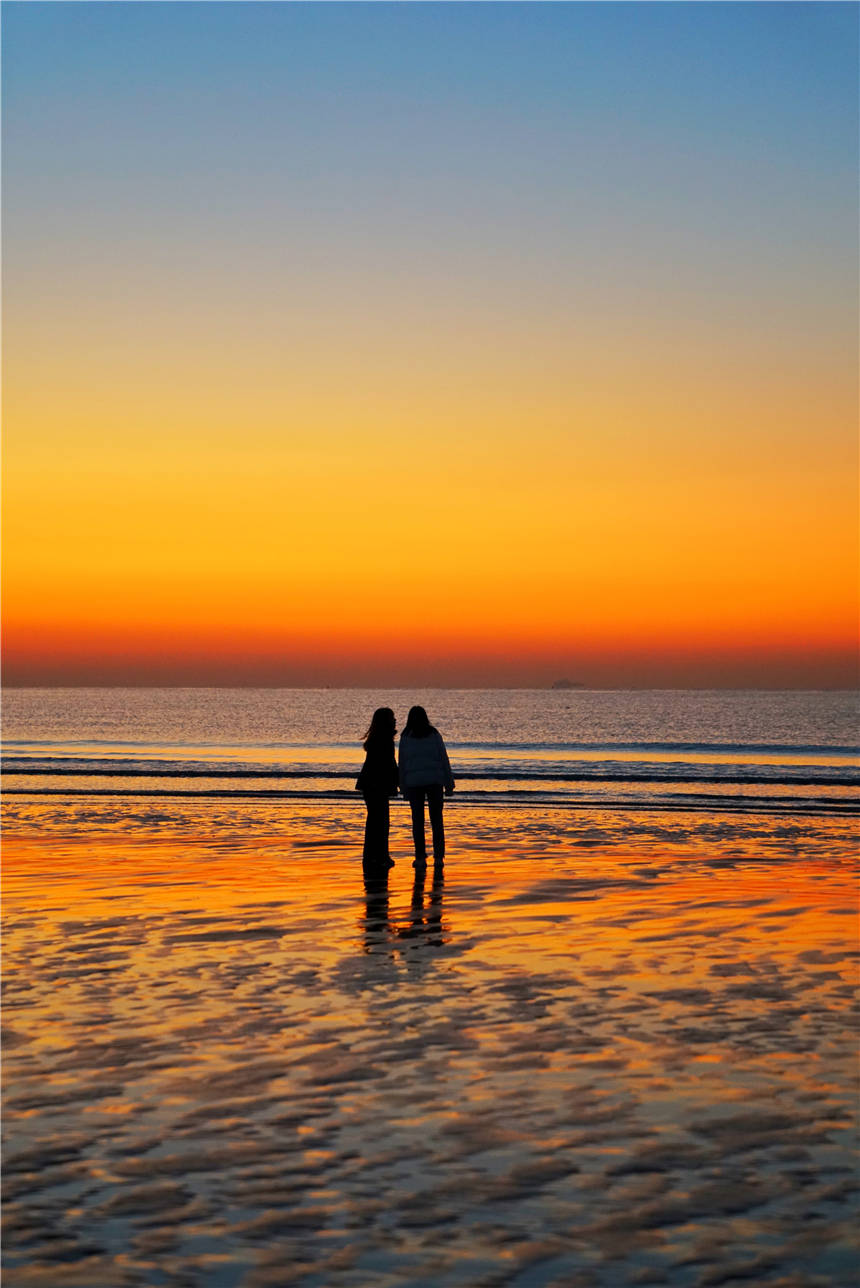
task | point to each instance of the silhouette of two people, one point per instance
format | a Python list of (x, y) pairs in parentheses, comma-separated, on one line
[(423, 774)]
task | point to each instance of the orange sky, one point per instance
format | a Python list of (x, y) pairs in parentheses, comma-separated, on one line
[(440, 460)]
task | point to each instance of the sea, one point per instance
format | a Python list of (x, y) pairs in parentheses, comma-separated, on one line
[(713, 750)]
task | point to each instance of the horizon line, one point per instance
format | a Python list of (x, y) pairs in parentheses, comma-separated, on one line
[(476, 688)]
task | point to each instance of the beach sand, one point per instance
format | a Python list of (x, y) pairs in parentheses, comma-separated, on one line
[(604, 1049)]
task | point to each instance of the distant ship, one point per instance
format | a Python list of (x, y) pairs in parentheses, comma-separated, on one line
[(566, 684)]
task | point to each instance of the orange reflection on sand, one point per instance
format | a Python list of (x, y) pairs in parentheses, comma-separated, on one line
[(642, 1036)]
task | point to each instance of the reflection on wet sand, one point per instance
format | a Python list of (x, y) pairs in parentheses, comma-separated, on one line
[(425, 915), (588, 1053), (415, 936), (378, 932)]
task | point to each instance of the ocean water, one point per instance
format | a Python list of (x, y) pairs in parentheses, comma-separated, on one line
[(610, 1044), (711, 750)]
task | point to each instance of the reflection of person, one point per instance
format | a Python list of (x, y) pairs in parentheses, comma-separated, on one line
[(425, 934), (428, 921), (377, 929), (377, 782), (425, 773)]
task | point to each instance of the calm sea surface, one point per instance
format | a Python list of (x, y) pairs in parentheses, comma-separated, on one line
[(659, 749)]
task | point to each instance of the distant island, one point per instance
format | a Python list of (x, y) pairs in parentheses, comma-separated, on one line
[(566, 684)]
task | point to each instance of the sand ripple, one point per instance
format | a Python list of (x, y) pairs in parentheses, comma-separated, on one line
[(602, 1057)]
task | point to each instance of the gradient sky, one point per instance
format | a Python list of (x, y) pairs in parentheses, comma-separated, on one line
[(427, 344)]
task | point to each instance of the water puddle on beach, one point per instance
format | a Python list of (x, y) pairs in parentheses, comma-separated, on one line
[(601, 1049)]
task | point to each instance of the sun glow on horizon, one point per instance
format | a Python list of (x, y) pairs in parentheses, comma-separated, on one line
[(455, 411)]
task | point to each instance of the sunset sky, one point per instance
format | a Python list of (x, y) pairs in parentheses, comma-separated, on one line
[(430, 344)]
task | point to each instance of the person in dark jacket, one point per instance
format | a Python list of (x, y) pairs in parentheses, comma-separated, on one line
[(377, 783), (425, 773)]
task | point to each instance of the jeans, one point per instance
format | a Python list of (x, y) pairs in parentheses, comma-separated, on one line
[(435, 798), (376, 827)]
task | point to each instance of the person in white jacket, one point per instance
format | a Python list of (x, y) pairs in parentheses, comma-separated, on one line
[(425, 774)]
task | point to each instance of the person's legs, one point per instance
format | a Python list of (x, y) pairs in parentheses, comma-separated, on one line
[(435, 800), (384, 827), (370, 829), (416, 802), (376, 828)]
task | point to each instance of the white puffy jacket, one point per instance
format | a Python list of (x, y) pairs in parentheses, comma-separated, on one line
[(424, 762)]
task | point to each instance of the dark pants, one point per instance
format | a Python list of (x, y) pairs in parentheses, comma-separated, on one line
[(376, 827), (435, 798)]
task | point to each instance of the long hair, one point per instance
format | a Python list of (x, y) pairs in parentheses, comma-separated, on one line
[(383, 726), (417, 723)]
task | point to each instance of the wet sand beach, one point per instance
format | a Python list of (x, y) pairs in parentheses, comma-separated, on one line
[(604, 1048)]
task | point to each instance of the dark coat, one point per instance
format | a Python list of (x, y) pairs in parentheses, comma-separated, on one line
[(378, 775)]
